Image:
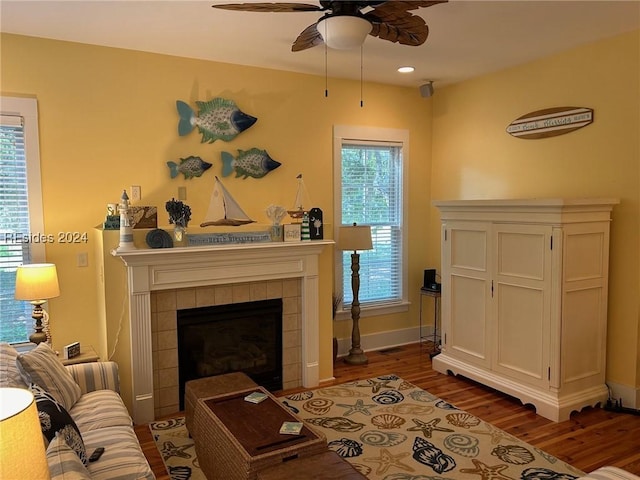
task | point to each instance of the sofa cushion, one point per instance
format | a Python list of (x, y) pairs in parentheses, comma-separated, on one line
[(122, 457), (63, 462), (56, 421), (99, 409), (9, 373), (42, 367)]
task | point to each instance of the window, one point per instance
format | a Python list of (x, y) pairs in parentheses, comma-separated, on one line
[(370, 190), (21, 209)]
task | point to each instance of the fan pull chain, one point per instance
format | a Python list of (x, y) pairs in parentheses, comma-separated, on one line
[(361, 78), (326, 74), (326, 68)]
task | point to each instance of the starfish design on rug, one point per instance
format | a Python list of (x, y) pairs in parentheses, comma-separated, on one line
[(387, 460), (496, 434), (169, 449), (358, 407), (427, 428), (376, 385), (487, 472)]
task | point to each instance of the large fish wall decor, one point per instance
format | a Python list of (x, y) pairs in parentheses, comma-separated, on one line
[(216, 119), (254, 163), (190, 167)]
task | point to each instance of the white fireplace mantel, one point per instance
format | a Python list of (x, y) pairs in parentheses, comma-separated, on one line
[(173, 268)]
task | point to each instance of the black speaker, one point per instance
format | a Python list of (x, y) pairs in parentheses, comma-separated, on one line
[(429, 278)]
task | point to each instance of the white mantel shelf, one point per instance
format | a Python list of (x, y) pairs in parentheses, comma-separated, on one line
[(186, 267)]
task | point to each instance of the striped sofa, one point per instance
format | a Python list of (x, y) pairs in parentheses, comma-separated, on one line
[(100, 416)]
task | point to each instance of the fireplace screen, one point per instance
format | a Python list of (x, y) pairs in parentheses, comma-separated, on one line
[(221, 339)]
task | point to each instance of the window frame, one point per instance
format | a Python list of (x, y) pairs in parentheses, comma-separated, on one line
[(371, 136), (27, 108)]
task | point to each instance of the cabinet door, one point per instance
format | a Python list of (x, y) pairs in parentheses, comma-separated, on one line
[(465, 291), (522, 302)]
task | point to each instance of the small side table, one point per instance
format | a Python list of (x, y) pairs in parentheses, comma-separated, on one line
[(432, 338), (87, 354)]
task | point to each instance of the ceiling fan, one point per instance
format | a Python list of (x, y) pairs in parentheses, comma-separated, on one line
[(346, 25)]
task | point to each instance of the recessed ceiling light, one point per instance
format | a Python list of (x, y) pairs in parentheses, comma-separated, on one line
[(406, 69)]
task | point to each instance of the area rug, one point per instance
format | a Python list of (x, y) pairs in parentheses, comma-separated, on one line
[(389, 429)]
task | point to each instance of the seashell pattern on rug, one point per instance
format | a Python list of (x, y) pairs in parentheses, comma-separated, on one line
[(389, 429)]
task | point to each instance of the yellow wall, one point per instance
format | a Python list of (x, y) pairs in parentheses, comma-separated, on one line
[(473, 157), (108, 121)]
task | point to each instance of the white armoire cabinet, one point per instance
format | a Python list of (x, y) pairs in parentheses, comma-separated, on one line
[(524, 298)]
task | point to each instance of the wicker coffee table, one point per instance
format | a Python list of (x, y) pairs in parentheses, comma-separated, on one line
[(236, 439), (209, 387)]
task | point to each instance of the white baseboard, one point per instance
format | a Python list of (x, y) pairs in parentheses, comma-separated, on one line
[(629, 395), (382, 340)]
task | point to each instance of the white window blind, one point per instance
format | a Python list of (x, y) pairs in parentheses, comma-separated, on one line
[(17, 173), (372, 195)]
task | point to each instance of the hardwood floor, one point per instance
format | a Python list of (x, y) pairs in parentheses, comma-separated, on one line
[(589, 439)]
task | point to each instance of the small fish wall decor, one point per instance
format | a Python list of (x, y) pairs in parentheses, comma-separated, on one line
[(190, 167), (217, 119), (254, 163)]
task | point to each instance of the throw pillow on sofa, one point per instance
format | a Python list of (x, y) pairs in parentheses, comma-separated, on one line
[(56, 421), (42, 367), (64, 463), (9, 373)]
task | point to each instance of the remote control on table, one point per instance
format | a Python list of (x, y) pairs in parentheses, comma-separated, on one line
[(97, 453)]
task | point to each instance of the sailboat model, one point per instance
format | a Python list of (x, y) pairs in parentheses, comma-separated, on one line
[(297, 212), (223, 209)]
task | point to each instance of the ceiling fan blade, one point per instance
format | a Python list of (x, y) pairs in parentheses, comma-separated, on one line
[(391, 21), (310, 37), (270, 7), (401, 6)]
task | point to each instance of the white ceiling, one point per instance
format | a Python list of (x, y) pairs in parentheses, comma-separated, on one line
[(467, 38)]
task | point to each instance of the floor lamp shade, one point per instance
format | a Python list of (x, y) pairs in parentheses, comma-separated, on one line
[(22, 452), (37, 283), (355, 237)]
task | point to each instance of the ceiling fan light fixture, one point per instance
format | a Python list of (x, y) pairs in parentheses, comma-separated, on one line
[(344, 32)]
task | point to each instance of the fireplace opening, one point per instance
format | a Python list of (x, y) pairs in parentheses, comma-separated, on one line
[(220, 339)]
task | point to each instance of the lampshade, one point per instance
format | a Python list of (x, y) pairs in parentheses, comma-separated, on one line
[(344, 31), (355, 237), (22, 452), (37, 281)]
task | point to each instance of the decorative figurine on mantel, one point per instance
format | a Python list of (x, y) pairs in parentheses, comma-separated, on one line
[(179, 216), (298, 209), (126, 230), (276, 213)]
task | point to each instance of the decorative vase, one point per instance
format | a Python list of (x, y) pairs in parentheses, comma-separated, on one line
[(276, 233), (179, 236)]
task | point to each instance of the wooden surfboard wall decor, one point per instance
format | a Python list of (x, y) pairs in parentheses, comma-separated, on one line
[(550, 122)]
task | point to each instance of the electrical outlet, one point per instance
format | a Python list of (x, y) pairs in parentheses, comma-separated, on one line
[(182, 193), (83, 259), (136, 193)]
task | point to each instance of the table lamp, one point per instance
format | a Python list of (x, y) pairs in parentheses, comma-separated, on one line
[(37, 283), (22, 452), (356, 237)]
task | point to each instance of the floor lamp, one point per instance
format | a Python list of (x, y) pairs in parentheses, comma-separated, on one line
[(356, 237), (37, 282)]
